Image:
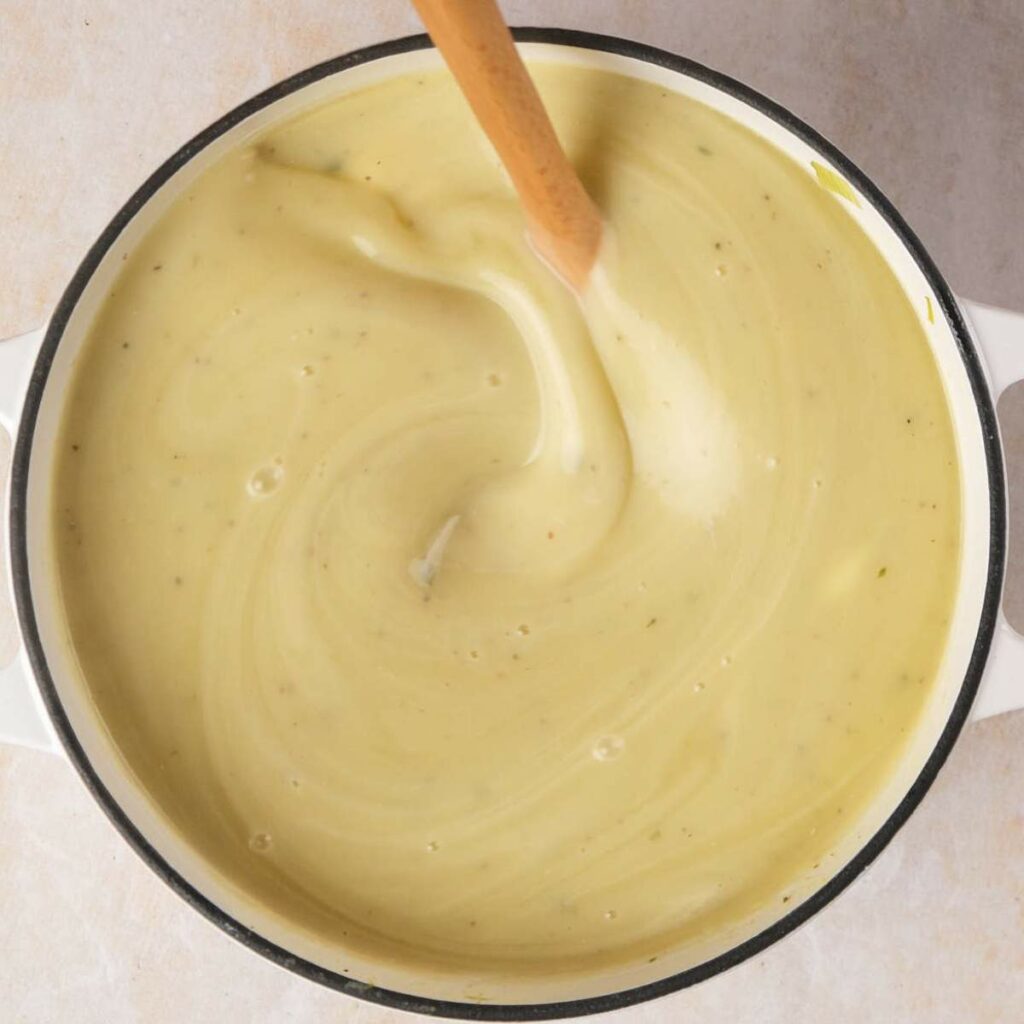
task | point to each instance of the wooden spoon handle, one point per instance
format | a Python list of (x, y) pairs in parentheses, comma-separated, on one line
[(474, 40)]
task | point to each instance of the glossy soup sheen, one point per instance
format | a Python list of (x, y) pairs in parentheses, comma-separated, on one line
[(475, 627)]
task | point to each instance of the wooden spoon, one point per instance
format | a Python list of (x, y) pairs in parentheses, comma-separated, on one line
[(565, 225)]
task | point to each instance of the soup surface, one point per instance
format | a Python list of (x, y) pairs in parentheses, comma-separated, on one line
[(469, 624)]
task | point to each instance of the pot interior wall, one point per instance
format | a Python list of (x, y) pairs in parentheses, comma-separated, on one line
[(114, 775)]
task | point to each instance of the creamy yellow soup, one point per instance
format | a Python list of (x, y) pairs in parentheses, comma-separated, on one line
[(470, 624)]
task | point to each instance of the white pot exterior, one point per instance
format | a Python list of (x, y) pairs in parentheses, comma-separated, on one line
[(22, 716)]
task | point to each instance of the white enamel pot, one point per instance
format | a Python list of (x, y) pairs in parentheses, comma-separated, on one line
[(44, 703)]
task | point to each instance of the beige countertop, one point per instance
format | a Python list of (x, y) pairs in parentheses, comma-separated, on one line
[(926, 95)]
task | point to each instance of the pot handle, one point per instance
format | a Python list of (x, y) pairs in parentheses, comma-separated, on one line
[(1000, 336), (23, 718)]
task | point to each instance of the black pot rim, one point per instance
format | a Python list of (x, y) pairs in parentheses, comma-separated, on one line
[(487, 1011)]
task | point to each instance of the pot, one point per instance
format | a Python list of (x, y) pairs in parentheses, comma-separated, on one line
[(43, 702)]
